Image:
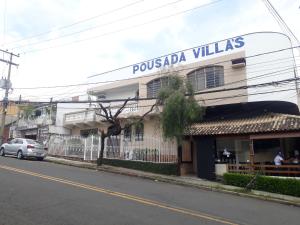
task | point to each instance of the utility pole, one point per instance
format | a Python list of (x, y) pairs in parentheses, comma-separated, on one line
[(7, 86)]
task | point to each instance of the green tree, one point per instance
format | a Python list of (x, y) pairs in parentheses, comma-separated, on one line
[(26, 110), (180, 109)]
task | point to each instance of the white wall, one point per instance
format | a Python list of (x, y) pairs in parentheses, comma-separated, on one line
[(270, 65), (62, 109), (252, 44)]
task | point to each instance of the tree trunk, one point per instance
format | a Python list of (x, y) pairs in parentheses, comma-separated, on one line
[(179, 155), (100, 159)]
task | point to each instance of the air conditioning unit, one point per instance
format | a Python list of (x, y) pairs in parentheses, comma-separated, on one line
[(238, 63)]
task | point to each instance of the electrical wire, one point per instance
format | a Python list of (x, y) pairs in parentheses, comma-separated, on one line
[(149, 75), (122, 29), (198, 93), (99, 26), (223, 61), (78, 22), (261, 76)]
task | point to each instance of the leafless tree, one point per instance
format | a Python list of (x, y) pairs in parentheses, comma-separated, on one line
[(115, 127)]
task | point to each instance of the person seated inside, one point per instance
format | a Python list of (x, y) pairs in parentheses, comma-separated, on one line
[(278, 160), (296, 158)]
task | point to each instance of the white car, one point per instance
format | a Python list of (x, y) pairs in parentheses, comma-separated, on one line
[(22, 147)]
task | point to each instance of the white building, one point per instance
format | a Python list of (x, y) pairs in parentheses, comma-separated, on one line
[(231, 71)]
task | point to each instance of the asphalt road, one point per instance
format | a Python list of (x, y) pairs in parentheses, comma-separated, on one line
[(40, 193)]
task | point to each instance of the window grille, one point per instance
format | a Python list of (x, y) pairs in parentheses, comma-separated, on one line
[(139, 132), (127, 133), (206, 77), (155, 85)]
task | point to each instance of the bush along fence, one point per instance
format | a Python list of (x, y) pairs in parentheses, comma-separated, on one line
[(286, 186), (160, 168), (148, 149)]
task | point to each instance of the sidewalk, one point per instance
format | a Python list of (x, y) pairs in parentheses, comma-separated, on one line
[(182, 180)]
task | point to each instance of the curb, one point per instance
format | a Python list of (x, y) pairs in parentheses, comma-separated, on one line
[(237, 191)]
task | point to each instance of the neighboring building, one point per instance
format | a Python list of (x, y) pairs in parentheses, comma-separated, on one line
[(230, 64), (66, 112), (38, 122), (11, 117), (34, 121)]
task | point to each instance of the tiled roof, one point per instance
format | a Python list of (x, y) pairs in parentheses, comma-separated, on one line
[(272, 122)]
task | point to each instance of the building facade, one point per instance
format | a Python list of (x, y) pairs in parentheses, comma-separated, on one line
[(256, 67)]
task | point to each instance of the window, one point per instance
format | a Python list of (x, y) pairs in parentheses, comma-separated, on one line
[(206, 77), (139, 132), (154, 86), (101, 96), (127, 133), (231, 150), (88, 132)]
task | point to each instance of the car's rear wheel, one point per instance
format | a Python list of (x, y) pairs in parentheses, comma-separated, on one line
[(40, 158), (20, 154), (2, 153)]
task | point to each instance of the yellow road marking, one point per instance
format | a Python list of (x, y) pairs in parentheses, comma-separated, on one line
[(123, 195)]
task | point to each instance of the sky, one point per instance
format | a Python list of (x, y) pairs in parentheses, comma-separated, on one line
[(63, 42)]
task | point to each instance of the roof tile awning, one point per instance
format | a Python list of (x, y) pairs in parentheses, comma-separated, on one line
[(272, 122)]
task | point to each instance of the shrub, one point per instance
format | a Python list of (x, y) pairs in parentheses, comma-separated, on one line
[(160, 168), (285, 186), (278, 185), (240, 180)]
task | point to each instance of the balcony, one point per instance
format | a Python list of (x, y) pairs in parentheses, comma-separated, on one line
[(135, 109), (81, 119), (89, 118), (33, 123), (128, 110)]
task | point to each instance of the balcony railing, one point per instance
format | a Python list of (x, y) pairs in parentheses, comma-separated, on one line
[(271, 170), (90, 116), (34, 122), (81, 117)]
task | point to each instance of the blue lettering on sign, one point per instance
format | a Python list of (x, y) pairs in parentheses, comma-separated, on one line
[(196, 53), (217, 48), (158, 63), (228, 46), (182, 57), (207, 51), (166, 63), (143, 67), (239, 42), (203, 51), (150, 65), (174, 58)]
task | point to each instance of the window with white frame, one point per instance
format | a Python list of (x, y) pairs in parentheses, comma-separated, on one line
[(206, 77), (139, 132), (127, 133), (155, 85)]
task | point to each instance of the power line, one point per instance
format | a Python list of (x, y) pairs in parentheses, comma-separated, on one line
[(123, 29), (79, 22), (198, 93), (280, 21), (149, 75), (208, 99), (255, 55), (98, 26), (227, 84), (4, 20)]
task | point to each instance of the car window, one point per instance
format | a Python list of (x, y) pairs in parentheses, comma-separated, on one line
[(14, 141), (30, 141)]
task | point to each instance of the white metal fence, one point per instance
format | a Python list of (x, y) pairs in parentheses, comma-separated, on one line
[(148, 149)]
